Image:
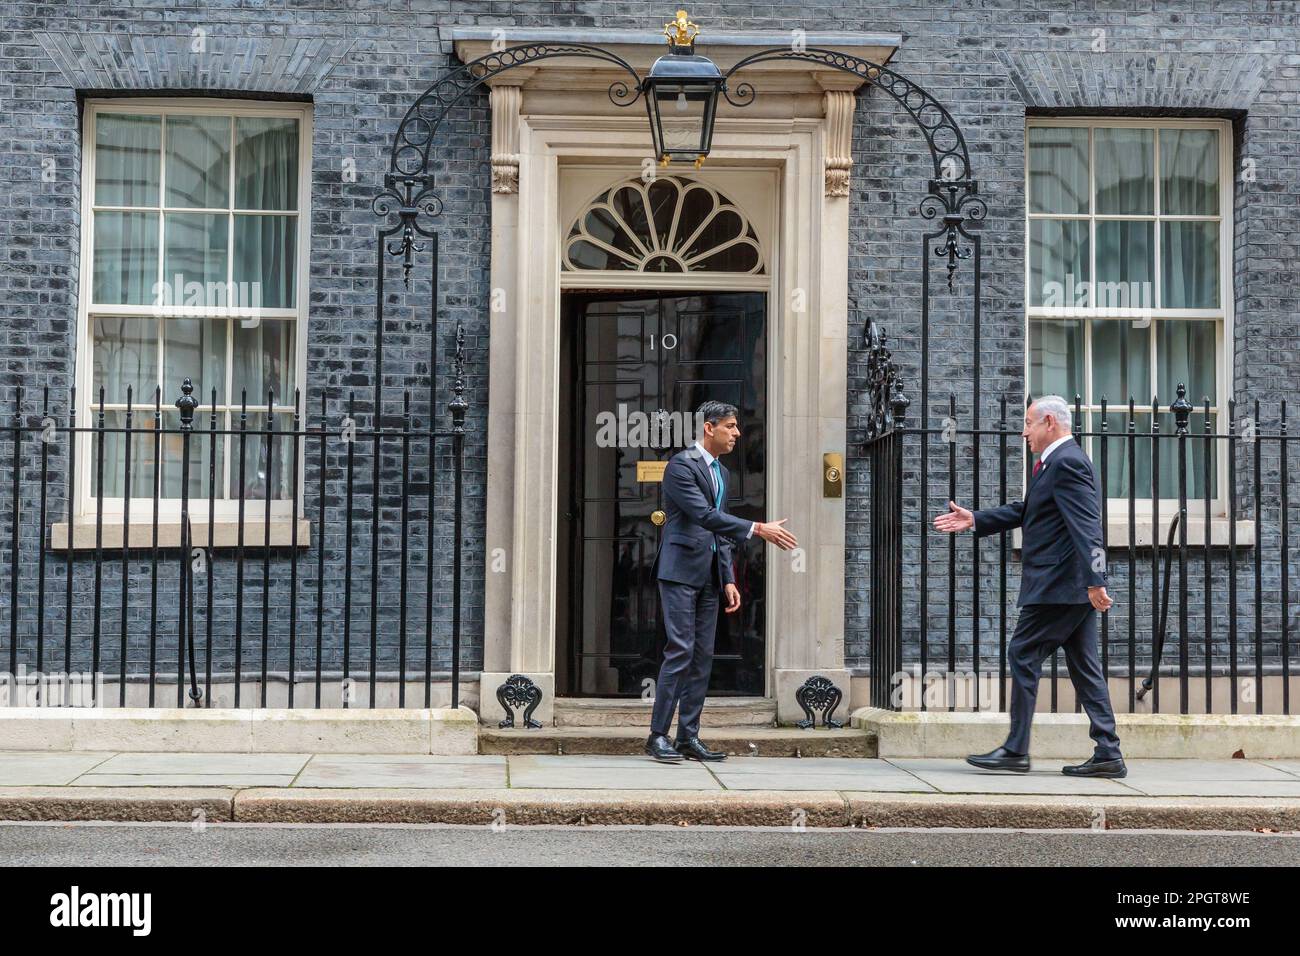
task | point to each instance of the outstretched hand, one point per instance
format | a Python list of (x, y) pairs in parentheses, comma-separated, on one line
[(773, 533), (956, 519)]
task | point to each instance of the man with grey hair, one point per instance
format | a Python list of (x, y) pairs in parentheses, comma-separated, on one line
[(693, 567), (1062, 587)]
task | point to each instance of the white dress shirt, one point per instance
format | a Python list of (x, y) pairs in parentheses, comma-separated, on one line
[(713, 480), (1052, 447)]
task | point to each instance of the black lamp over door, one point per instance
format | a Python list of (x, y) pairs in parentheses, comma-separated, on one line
[(681, 93)]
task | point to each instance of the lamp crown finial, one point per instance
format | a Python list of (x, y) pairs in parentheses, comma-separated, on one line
[(682, 31)]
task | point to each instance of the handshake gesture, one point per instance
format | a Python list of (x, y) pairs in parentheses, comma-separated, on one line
[(773, 533), (956, 519)]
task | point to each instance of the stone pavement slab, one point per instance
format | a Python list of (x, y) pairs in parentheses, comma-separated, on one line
[(1173, 770), (26, 768), (609, 773), (146, 769), (184, 780), (1211, 778), (795, 773), (1216, 788), (1286, 766), (203, 763), (949, 775), (401, 770)]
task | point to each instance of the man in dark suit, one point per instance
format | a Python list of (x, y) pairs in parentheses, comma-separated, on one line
[(1062, 587), (693, 567)]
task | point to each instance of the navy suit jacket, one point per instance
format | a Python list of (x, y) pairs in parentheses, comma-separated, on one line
[(1060, 520), (694, 525)]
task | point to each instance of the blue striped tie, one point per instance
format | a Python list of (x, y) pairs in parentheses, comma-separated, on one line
[(717, 499)]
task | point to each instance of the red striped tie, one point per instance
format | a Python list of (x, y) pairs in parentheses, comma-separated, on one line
[(1038, 465)]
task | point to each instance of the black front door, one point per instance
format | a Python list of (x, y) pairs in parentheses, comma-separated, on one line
[(635, 366)]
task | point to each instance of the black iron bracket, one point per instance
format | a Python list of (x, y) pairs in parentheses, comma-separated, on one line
[(818, 693), (518, 691)]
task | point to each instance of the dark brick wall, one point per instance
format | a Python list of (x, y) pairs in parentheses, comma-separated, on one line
[(362, 63)]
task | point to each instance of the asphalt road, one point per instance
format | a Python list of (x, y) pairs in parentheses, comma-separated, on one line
[(131, 844)]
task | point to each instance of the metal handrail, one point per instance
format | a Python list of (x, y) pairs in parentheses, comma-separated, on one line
[(1159, 647)]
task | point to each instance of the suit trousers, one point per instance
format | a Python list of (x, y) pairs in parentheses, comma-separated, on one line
[(1043, 628), (690, 615)]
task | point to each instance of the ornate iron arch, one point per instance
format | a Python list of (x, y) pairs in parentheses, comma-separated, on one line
[(408, 186), (952, 192)]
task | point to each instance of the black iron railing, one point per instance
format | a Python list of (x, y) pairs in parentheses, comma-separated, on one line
[(1177, 483), (202, 591)]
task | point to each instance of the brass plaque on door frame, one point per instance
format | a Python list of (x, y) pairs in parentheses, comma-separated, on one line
[(651, 470)]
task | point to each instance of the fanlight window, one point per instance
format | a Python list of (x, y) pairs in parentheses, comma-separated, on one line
[(667, 225)]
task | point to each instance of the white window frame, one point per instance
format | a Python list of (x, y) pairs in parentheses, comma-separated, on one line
[(1221, 316), (226, 509)]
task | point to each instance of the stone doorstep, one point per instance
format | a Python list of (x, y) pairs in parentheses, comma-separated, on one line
[(634, 712), (735, 741), (816, 808), (1065, 736), (445, 731)]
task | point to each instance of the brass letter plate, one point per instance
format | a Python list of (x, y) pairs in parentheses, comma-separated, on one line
[(650, 470), (832, 475)]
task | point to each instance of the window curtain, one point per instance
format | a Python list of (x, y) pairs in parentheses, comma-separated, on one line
[(127, 159), (1125, 171), (264, 362), (127, 165), (1189, 165), (126, 354), (126, 258), (1058, 169), (1056, 358), (266, 177), (1058, 255), (1121, 369), (1185, 353), (1190, 270)]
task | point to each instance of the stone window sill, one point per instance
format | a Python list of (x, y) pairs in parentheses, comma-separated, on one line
[(1117, 532), (225, 534)]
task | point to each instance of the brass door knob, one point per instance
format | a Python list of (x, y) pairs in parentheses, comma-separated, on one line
[(657, 518)]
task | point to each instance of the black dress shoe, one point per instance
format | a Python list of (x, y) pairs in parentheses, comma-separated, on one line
[(657, 746), (1000, 759), (692, 748), (1092, 767)]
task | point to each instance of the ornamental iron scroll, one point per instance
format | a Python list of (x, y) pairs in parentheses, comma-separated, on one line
[(519, 691), (458, 405), (886, 403), (952, 192), (818, 693), (409, 155), (408, 184)]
